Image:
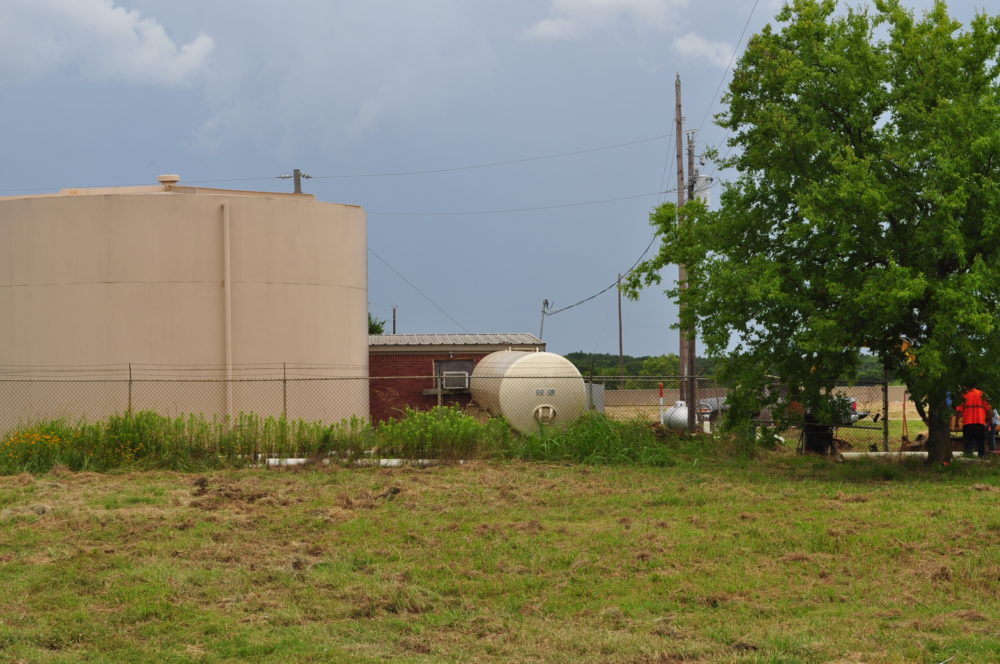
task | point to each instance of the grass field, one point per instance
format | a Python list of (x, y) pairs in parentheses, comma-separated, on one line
[(780, 559)]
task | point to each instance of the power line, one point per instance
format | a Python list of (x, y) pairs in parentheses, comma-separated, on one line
[(513, 210), (722, 80), (666, 165), (605, 290), (452, 169), (729, 66), (446, 213), (422, 294), (494, 163)]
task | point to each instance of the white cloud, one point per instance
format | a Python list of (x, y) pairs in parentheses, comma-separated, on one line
[(342, 71), (571, 19), (105, 41), (696, 47)]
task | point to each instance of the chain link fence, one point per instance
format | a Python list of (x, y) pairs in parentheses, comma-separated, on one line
[(310, 393), (861, 423)]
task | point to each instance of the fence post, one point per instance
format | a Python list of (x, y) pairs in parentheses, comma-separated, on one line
[(284, 391), (885, 411), (130, 388)]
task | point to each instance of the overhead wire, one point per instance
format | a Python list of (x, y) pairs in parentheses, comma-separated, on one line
[(452, 169), (605, 290), (494, 163), (729, 66), (722, 80), (663, 190), (666, 163), (422, 294), (444, 213)]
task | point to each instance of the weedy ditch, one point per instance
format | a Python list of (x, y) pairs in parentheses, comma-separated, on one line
[(148, 440)]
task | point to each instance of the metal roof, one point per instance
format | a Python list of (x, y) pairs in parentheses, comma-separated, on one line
[(517, 339)]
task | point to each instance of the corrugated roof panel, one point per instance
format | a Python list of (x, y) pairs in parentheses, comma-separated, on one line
[(514, 339)]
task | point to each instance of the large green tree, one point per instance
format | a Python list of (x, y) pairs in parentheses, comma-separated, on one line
[(865, 211)]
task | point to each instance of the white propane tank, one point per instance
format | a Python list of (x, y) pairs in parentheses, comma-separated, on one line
[(676, 417), (529, 388)]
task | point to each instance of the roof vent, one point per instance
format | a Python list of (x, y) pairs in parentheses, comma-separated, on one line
[(168, 179)]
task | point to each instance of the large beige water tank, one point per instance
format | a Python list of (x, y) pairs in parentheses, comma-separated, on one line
[(529, 388), (183, 282)]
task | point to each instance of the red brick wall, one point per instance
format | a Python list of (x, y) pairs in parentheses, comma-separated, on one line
[(397, 381)]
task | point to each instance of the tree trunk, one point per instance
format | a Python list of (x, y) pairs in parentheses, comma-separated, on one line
[(938, 433)]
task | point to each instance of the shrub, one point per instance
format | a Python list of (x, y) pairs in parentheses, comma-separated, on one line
[(443, 432), (595, 439)]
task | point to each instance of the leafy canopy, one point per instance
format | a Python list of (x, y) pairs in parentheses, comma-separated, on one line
[(866, 209), (375, 326)]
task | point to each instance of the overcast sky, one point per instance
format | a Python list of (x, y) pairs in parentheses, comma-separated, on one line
[(506, 151)]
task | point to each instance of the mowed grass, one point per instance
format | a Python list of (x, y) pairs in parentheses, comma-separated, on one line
[(781, 559)]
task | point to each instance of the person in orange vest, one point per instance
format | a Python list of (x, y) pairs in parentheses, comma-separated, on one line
[(976, 412)]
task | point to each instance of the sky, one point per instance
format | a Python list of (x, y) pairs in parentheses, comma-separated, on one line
[(506, 153)]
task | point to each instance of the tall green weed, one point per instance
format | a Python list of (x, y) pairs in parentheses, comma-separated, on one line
[(443, 432), (149, 440), (595, 439), (193, 442)]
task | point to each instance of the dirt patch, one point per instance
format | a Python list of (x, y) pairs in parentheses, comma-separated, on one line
[(39, 509), (942, 573), (851, 497), (209, 497), (530, 528), (23, 479), (796, 557), (368, 500), (971, 615)]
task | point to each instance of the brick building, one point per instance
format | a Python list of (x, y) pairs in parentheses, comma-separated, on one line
[(423, 370)]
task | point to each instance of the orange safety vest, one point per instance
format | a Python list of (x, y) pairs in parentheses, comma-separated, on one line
[(974, 409)]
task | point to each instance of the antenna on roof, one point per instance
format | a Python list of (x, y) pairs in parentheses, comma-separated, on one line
[(297, 175)]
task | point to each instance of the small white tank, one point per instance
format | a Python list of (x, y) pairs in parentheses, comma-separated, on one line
[(675, 417), (529, 388)]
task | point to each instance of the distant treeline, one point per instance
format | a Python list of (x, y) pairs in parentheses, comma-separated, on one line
[(606, 364)]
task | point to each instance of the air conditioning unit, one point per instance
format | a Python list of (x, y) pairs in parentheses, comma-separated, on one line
[(454, 380)]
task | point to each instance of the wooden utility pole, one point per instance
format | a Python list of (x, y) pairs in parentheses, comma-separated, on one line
[(621, 346), (681, 272), (684, 352), (297, 176), (691, 362), (541, 326)]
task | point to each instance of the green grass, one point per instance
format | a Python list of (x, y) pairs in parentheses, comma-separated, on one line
[(775, 559), (147, 440)]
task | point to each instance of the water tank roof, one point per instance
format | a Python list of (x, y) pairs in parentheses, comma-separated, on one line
[(169, 183)]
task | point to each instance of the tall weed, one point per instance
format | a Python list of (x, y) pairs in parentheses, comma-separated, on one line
[(595, 439), (149, 440), (443, 432)]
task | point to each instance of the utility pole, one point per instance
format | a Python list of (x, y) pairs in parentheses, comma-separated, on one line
[(621, 347), (394, 319), (691, 360), (297, 176), (541, 328), (684, 354)]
